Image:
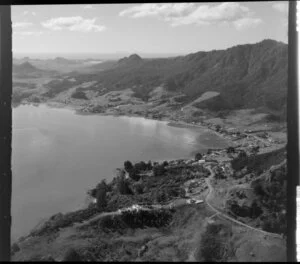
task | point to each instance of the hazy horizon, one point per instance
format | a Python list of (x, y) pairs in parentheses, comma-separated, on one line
[(86, 55), (106, 56)]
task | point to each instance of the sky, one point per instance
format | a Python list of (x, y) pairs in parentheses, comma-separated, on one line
[(161, 28)]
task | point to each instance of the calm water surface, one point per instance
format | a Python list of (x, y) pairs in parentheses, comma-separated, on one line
[(58, 155)]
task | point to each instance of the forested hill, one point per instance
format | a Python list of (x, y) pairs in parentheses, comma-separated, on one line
[(251, 75)]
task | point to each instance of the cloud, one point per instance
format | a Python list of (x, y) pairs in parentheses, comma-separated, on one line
[(76, 23), (188, 14), (163, 10), (245, 23), (22, 24), (281, 7), (87, 7), (26, 12), (28, 33)]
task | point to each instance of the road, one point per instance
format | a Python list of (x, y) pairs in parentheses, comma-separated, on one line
[(179, 202), (172, 204), (219, 213)]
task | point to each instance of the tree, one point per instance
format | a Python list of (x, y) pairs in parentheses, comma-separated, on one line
[(128, 166), (159, 170), (140, 166), (258, 188), (242, 154), (149, 165), (165, 163), (230, 150), (218, 127), (133, 174), (101, 196), (123, 186), (198, 156), (71, 255)]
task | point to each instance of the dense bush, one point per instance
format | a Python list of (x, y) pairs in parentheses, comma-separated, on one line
[(214, 247), (136, 219), (60, 221), (258, 163), (128, 166), (79, 95), (140, 166), (159, 170), (123, 186), (72, 256), (14, 248), (272, 195), (198, 156), (101, 196), (253, 211), (230, 150)]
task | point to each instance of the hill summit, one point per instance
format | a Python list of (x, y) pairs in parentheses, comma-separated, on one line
[(132, 59), (24, 68)]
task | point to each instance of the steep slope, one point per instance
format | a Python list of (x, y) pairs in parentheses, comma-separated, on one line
[(24, 68), (252, 75), (27, 70)]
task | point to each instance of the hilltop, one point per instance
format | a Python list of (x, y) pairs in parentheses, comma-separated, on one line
[(24, 68), (246, 76)]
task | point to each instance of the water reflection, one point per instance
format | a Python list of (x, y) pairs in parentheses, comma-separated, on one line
[(58, 155)]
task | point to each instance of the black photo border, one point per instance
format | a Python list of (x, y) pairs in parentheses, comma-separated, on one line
[(6, 118)]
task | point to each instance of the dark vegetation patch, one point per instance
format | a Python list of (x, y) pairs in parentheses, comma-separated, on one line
[(165, 185), (215, 244), (57, 86), (267, 208), (135, 219), (271, 191), (258, 163), (60, 220), (79, 95), (253, 211)]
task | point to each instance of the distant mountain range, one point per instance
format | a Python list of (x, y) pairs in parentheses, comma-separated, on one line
[(244, 76), (251, 75)]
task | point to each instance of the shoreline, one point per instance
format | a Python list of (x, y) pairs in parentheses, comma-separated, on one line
[(169, 121)]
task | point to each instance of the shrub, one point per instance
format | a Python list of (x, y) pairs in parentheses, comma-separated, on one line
[(159, 170), (149, 165), (198, 156), (258, 188), (14, 248), (71, 255), (140, 166), (165, 163), (128, 166), (123, 186), (212, 247), (230, 150), (101, 197), (133, 174), (79, 95)]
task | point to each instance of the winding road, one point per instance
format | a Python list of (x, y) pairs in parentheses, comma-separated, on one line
[(219, 213), (173, 204)]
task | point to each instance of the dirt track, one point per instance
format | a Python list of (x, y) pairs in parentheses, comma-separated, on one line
[(219, 213)]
